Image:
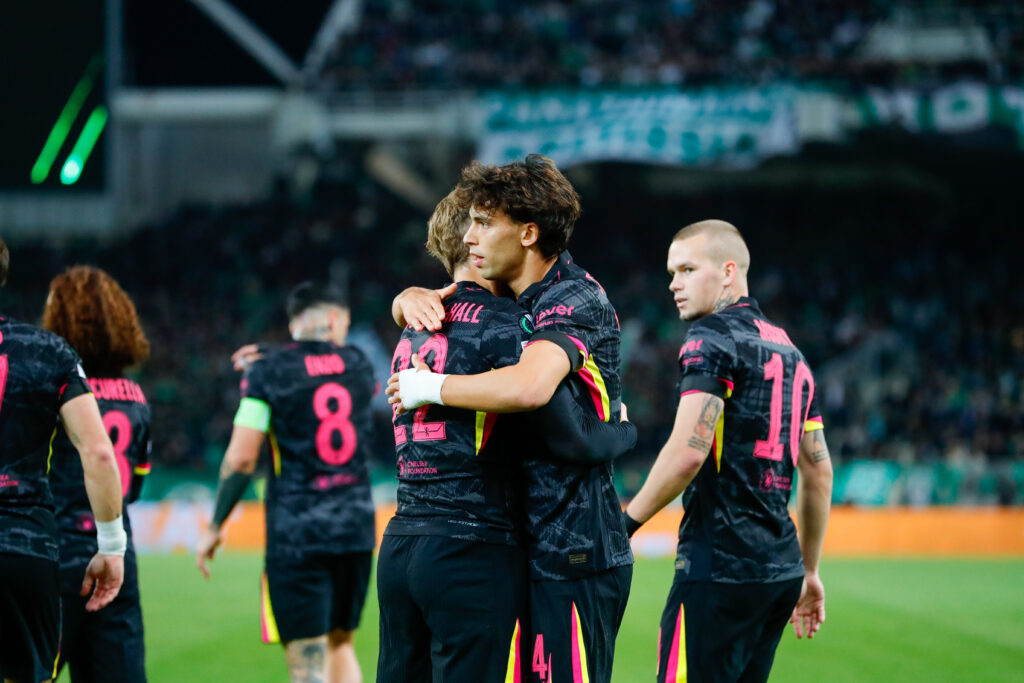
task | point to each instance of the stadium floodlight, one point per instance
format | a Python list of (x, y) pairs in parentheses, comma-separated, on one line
[(75, 163), (59, 132)]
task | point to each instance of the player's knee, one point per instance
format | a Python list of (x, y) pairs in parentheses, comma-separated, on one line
[(339, 637)]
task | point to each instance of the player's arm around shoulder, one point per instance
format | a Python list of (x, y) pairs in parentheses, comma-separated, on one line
[(421, 308), (527, 385), (814, 496)]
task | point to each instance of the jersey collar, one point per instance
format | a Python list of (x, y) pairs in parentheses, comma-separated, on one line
[(558, 271), (745, 302)]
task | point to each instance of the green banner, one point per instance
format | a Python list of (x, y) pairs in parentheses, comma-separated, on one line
[(722, 126), (725, 126), (951, 109)]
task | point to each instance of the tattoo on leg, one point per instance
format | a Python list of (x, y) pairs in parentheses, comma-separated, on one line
[(307, 659), (704, 431)]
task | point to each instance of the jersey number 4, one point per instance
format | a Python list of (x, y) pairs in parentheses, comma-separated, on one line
[(402, 360), (774, 372)]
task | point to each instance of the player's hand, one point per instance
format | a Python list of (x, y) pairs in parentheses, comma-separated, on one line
[(412, 398), (623, 414), (103, 578), (809, 613), (245, 356), (208, 544), (423, 309)]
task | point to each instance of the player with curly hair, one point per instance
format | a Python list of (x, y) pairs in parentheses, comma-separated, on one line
[(88, 308)]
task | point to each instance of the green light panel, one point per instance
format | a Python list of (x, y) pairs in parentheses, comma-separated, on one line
[(75, 164), (59, 132)]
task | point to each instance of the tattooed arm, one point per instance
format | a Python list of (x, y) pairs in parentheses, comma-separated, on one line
[(681, 457), (813, 498)]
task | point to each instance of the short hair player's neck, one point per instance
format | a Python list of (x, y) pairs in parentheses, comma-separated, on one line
[(320, 323)]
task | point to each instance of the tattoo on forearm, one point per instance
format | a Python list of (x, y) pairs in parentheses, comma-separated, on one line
[(704, 430), (820, 452), (306, 660), (699, 444)]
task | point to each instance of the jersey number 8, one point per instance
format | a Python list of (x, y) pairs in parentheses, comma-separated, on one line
[(337, 419), (119, 429)]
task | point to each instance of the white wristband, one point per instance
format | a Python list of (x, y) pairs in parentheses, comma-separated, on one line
[(419, 387), (111, 537)]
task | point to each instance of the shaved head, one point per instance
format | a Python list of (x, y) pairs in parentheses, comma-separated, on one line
[(724, 242), (708, 263)]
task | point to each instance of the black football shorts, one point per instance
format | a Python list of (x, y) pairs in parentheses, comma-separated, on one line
[(575, 623), (29, 617), (314, 595), (723, 631), (105, 646), (450, 610)]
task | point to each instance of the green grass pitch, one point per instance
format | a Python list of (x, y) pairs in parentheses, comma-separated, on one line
[(888, 620)]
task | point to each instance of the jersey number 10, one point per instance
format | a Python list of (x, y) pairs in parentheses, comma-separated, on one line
[(774, 372)]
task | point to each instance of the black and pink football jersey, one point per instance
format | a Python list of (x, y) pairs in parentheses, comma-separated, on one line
[(737, 526), (39, 373), (574, 522), (126, 416), (318, 490)]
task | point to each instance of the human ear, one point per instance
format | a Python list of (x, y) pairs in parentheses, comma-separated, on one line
[(529, 234), (730, 273)]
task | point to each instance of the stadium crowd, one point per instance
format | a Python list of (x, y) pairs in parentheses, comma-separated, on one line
[(917, 347), (483, 44)]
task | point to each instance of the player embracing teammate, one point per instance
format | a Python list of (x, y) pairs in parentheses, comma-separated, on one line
[(452, 570), (580, 563)]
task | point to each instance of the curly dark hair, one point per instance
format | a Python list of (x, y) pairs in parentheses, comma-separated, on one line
[(529, 191), (90, 310)]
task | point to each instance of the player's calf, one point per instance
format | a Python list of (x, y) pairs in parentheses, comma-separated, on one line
[(342, 665)]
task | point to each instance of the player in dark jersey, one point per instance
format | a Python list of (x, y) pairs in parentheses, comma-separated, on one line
[(90, 310), (452, 572), (312, 397), (747, 399), (41, 378), (579, 555)]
